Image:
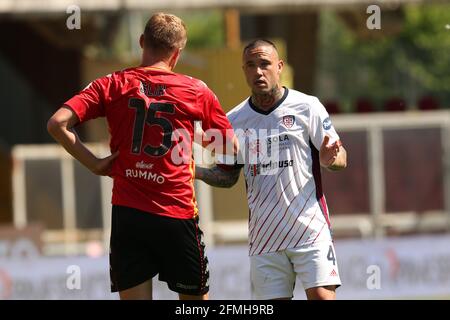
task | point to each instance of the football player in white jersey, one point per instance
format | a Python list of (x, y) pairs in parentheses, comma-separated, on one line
[(285, 136)]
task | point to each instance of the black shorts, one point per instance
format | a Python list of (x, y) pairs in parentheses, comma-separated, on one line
[(145, 244)]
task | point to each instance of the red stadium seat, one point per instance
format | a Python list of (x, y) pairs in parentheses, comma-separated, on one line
[(395, 104), (364, 105), (428, 103), (332, 107)]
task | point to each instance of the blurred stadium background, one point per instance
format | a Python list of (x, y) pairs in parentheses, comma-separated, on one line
[(388, 91)]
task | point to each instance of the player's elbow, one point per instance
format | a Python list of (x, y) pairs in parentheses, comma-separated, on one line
[(54, 125), (64, 119)]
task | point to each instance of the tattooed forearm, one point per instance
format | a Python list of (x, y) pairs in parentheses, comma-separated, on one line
[(217, 177)]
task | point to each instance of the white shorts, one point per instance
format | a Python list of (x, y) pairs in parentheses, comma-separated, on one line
[(273, 274)]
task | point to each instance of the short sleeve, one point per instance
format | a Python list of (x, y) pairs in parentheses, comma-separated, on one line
[(90, 102), (214, 121), (320, 124), (213, 115)]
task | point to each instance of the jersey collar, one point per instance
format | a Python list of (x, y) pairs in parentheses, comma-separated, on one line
[(157, 69)]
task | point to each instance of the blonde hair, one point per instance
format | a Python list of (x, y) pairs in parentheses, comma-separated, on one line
[(164, 33)]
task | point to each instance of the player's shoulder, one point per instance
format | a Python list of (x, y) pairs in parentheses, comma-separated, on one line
[(304, 101), (191, 81), (238, 110), (118, 75), (303, 98), (200, 87), (123, 72), (101, 82)]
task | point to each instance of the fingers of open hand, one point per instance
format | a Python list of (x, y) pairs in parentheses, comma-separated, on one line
[(326, 139), (325, 146), (332, 160), (329, 154)]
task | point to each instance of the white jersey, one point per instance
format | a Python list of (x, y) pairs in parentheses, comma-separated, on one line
[(282, 171)]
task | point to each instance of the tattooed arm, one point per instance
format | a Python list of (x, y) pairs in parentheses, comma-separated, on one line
[(217, 177)]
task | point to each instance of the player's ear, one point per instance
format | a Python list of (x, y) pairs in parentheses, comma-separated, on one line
[(174, 58), (280, 66), (141, 41)]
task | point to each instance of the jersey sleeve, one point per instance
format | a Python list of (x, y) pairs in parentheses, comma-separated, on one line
[(215, 122), (213, 115), (90, 102), (320, 125)]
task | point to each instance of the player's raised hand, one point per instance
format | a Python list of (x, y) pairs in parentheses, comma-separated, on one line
[(328, 152), (103, 166)]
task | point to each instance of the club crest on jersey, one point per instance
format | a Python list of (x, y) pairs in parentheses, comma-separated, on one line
[(288, 121)]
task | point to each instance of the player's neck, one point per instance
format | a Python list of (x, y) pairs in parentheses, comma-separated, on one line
[(157, 63), (266, 101)]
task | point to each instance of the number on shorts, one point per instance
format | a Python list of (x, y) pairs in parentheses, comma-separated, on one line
[(330, 255)]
